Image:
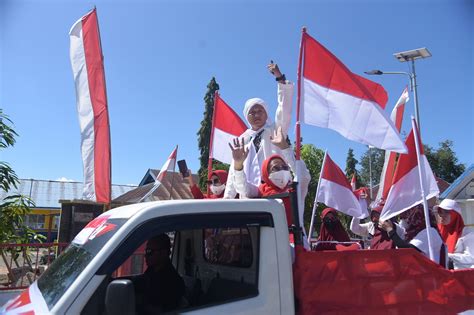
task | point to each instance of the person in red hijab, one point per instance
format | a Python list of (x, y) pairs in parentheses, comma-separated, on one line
[(216, 185), (276, 179), (458, 238), (331, 230), (450, 224)]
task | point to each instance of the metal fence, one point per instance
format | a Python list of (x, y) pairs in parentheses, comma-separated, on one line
[(22, 264)]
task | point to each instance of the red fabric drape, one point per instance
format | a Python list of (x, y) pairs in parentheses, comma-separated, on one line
[(400, 281)]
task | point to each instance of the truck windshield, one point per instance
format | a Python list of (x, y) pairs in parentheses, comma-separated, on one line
[(67, 267)]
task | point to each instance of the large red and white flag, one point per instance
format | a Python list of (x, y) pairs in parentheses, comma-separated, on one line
[(406, 189), (391, 157), (91, 101), (169, 166), (335, 191), (226, 126), (333, 97)]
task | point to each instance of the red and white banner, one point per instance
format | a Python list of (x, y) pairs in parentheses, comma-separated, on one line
[(406, 189), (391, 157), (335, 191), (169, 166), (226, 126), (333, 97), (91, 101)]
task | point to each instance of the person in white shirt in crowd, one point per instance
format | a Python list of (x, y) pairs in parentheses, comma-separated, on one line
[(416, 234), (379, 237), (262, 139), (458, 237)]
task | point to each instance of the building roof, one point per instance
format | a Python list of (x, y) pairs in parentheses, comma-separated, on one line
[(459, 185), (47, 193), (173, 186)]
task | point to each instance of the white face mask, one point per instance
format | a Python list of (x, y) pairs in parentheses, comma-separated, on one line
[(281, 179), (217, 190)]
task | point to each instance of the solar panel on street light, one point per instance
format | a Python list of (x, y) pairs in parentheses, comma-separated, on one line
[(412, 54)]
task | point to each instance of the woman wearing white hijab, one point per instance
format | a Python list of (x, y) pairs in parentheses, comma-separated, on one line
[(265, 138)]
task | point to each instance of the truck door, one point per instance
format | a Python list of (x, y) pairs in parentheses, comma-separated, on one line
[(227, 262)]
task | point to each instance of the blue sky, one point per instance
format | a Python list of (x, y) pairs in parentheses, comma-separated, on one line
[(160, 55)]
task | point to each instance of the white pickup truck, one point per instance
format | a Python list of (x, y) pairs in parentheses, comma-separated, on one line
[(238, 252), (235, 258)]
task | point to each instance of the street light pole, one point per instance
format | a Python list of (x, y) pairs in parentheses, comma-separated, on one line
[(415, 94), (405, 56)]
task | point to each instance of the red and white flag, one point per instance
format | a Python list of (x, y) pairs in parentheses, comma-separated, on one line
[(91, 101), (335, 191), (391, 157), (226, 126), (333, 97), (169, 166), (354, 182), (406, 189)]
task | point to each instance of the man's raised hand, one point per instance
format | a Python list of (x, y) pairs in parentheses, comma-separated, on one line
[(273, 68), (279, 139)]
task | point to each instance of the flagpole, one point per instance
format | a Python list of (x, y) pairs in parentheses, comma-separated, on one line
[(315, 204), (174, 168), (211, 141), (152, 190), (421, 173), (298, 96)]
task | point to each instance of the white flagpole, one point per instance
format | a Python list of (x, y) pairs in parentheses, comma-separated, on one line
[(152, 190), (315, 204), (421, 173), (174, 168)]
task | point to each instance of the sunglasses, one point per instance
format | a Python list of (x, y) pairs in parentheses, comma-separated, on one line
[(214, 181), (278, 168)]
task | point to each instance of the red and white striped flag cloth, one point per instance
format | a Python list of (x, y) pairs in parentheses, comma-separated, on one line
[(226, 126), (333, 97), (336, 192), (91, 101), (391, 157), (354, 182), (169, 166), (406, 189)]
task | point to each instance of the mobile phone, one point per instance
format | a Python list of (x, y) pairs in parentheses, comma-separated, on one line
[(183, 168)]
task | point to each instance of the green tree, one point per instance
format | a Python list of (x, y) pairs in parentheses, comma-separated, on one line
[(313, 158), (371, 162), (204, 134), (443, 161), (13, 208), (351, 163)]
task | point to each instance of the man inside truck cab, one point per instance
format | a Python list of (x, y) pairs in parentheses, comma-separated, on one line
[(160, 288)]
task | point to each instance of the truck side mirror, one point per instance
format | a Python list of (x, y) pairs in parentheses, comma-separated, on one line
[(120, 297)]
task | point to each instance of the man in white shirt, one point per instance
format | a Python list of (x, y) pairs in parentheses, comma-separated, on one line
[(263, 138)]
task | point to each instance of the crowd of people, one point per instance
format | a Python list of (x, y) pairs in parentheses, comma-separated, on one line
[(264, 165)]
